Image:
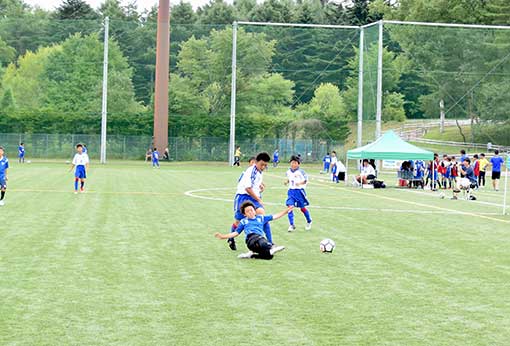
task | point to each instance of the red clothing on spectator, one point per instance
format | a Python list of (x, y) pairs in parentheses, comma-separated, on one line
[(476, 169)]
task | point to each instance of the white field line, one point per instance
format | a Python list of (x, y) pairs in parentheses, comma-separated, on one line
[(484, 216), (193, 193), (435, 196)]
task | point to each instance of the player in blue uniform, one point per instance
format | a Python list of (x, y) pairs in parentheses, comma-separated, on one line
[(496, 162), (4, 166), (253, 226), (155, 158), (21, 153), (276, 158), (81, 162), (250, 188), (327, 161), (296, 196)]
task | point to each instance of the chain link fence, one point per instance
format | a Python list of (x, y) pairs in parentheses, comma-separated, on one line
[(61, 146)]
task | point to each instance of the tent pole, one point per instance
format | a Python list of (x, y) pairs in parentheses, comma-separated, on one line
[(506, 184), (347, 170)]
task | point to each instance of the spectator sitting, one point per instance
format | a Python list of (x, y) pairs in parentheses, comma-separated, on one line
[(367, 172)]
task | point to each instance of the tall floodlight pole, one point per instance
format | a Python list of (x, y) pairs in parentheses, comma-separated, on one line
[(360, 88), (232, 143), (104, 103), (161, 85), (378, 115)]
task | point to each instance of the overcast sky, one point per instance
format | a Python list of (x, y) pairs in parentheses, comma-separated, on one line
[(142, 4)]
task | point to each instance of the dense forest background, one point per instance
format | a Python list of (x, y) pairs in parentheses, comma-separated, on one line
[(292, 82)]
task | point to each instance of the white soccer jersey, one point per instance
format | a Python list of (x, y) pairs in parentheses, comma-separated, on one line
[(80, 159), (252, 177), (334, 160), (295, 177)]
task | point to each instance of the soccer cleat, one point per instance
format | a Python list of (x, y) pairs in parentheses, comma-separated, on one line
[(308, 226), (454, 197), (2, 203), (232, 244), (275, 249), (292, 228), (75, 192), (82, 190), (248, 254)]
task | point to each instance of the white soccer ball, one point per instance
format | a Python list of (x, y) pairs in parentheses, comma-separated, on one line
[(28, 161), (327, 245), (441, 195)]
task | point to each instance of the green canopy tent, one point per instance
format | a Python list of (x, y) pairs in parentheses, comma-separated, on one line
[(388, 147), (506, 183)]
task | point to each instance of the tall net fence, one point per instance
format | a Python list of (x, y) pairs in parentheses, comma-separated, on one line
[(51, 80), (301, 78), (293, 83), (429, 70)]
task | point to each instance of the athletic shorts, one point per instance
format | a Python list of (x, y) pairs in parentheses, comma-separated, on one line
[(297, 198), (80, 172), (259, 245), (239, 200), (3, 183), (496, 175)]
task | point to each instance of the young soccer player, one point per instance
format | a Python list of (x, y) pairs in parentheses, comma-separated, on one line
[(250, 188), (4, 166), (276, 158), (333, 166), (253, 226), (155, 158), (81, 162), (496, 162), (296, 196), (21, 153), (326, 161)]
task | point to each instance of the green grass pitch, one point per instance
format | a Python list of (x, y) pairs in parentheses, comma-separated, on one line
[(134, 262)]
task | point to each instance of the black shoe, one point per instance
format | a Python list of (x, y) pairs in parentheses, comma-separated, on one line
[(232, 244)]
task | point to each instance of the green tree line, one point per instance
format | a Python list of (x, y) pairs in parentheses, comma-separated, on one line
[(291, 82)]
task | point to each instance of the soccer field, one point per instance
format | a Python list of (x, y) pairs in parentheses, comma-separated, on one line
[(133, 261)]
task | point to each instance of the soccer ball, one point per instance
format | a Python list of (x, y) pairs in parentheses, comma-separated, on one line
[(441, 195), (327, 245)]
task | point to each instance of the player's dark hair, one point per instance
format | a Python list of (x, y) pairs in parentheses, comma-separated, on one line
[(1, 147), (21, 143), (263, 157), (462, 151), (79, 146), (155, 148), (365, 160), (253, 158), (482, 154), (295, 158), (246, 205), (475, 156), (333, 152), (496, 151), (467, 160)]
